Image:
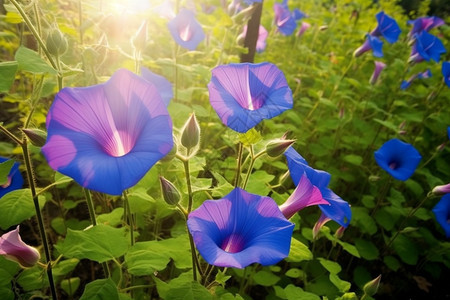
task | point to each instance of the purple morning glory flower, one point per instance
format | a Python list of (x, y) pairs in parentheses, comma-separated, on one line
[(107, 136), (424, 24), (13, 248), (244, 94), (446, 72), (387, 27), (163, 86), (371, 43), (262, 37), (285, 20), (406, 83), (240, 229), (337, 209), (379, 66), (426, 47), (398, 158), (303, 28), (186, 30), (15, 179), (442, 213)]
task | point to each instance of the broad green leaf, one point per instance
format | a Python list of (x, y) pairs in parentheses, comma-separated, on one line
[(251, 137), (70, 285), (188, 291), (406, 249), (5, 169), (353, 159), (100, 289), (64, 267), (342, 285), (298, 252), (367, 249), (30, 61), (13, 18), (392, 263), (59, 225), (34, 278), (349, 248), (140, 201), (258, 183), (331, 266), (61, 179), (7, 293), (8, 269), (99, 243), (7, 74), (294, 273), (296, 293), (16, 207), (113, 218), (363, 220), (265, 278)]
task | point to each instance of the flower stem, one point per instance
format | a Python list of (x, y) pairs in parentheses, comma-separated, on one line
[(129, 217), (239, 165), (90, 205), (250, 167)]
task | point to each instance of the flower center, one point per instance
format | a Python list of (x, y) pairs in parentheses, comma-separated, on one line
[(393, 165), (119, 144), (185, 33), (233, 243)]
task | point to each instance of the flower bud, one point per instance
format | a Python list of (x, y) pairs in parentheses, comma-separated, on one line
[(190, 136), (277, 147), (371, 287), (36, 136), (169, 192), (13, 248), (339, 232), (319, 224), (441, 189), (56, 42)]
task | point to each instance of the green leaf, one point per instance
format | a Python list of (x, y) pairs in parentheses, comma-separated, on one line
[(30, 61), (33, 278), (367, 249), (258, 183), (16, 207), (298, 252), (191, 290), (5, 169), (331, 266), (64, 267), (251, 137), (8, 269), (113, 218), (140, 201), (406, 249), (294, 273), (13, 18), (349, 248), (7, 75), (70, 285), (363, 220), (100, 289), (392, 263), (342, 285), (99, 243), (353, 159), (295, 293), (7, 293), (265, 278)]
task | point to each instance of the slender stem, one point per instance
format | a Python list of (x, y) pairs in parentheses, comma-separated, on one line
[(250, 167), (188, 183), (60, 78), (31, 182), (10, 135), (38, 22), (80, 20), (195, 262), (129, 217), (239, 165), (90, 205)]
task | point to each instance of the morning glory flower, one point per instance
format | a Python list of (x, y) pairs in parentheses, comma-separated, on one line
[(262, 37), (379, 66), (426, 47), (387, 27), (305, 26), (398, 158), (13, 248), (186, 30), (244, 94), (441, 189), (446, 72), (442, 213), (406, 83), (285, 20), (371, 43), (163, 85), (337, 209), (424, 24), (107, 136), (14, 180), (240, 229)]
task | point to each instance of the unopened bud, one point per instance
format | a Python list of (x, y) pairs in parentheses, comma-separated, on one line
[(13, 248), (190, 136), (169, 192), (36, 136), (277, 147), (339, 232), (140, 39), (56, 42), (440, 147), (371, 287), (441, 190)]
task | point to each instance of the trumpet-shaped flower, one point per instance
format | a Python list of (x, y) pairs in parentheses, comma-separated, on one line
[(163, 85), (398, 158), (303, 27), (371, 43), (387, 27), (406, 83), (379, 66), (107, 136), (424, 24), (13, 248), (244, 94), (285, 20), (442, 213), (240, 229), (446, 72), (262, 37), (14, 179), (426, 47), (186, 30), (338, 210)]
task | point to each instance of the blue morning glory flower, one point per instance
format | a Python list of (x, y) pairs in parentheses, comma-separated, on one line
[(337, 209), (186, 30), (107, 136), (446, 72), (442, 213), (398, 158), (240, 229), (14, 180), (426, 47), (285, 20), (387, 27), (244, 94), (371, 43), (163, 85), (424, 24), (406, 83)]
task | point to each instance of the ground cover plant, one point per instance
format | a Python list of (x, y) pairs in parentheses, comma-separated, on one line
[(224, 150)]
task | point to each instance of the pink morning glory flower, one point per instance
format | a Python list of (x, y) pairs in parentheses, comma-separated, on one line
[(107, 136), (262, 36), (13, 248), (379, 66), (424, 24), (240, 229), (244, 94), (186, 30)]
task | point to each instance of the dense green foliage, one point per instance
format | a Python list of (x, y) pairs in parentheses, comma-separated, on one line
[(338, 121)]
